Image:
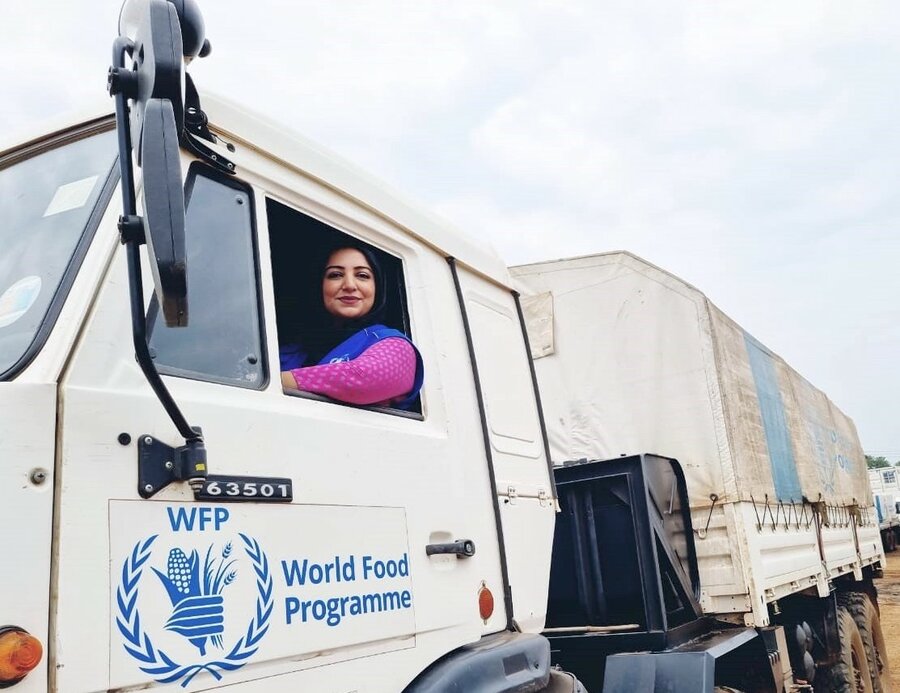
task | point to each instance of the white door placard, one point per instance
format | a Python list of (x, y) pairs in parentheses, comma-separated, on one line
[(200, 590)]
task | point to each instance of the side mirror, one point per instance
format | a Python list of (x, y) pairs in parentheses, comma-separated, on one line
[(156, 90), (164, 210), (147, 80)]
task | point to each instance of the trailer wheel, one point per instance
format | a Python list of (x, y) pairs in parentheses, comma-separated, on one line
[(850, 674), (869, 624)]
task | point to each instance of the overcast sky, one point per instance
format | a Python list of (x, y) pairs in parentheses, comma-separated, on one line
[(750, 148)]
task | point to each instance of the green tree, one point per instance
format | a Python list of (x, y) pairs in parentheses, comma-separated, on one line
[(877, 462)]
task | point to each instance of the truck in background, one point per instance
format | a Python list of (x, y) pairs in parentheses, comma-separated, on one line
[(179, 520), (886, 494), (629, 357)]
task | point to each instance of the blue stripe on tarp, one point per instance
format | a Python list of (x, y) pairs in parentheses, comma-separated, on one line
[(878, 509), (771, 408)]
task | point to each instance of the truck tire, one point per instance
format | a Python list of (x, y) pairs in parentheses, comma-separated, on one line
[(889, 540), (869, 624), (850, 674)]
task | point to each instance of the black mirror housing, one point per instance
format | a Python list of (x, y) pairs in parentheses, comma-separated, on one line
[(156, 123), (158, 63), (193, 29), (164, 210), (160, 36)]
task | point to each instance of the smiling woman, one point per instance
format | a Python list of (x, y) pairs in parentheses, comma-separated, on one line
[(342, 345), (348, 287)]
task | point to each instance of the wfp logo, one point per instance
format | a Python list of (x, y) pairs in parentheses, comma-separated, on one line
[(198, 608), (197, 595)]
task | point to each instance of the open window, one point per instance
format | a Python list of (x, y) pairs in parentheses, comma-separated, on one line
[(298, 243)]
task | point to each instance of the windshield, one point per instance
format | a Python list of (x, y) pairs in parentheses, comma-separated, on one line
[(45, 204)]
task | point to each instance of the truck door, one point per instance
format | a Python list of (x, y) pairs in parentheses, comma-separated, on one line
[(515, 442), (329, 589)]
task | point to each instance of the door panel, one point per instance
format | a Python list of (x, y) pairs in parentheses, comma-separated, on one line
[(523, 482)]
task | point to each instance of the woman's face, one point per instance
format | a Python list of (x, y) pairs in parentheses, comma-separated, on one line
[(348, 287)]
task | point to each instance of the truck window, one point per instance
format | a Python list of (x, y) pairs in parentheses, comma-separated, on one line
[(222, 342), (50, 205), (298, 243)]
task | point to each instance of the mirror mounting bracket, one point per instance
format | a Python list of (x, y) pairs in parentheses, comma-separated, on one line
[(121, 80), (201, 151), (196, 127), (160, 464), (131, 229)]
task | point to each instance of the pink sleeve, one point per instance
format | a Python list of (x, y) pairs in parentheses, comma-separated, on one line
[(384, 371)]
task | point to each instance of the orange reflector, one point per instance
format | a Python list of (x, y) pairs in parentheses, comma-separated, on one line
[(485, 602), (19, 654)]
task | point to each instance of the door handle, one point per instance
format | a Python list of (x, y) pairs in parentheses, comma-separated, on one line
[(463, 548)]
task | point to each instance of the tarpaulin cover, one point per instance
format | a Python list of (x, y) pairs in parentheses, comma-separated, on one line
[(631, 359)]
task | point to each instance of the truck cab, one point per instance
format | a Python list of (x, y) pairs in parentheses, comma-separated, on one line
[(325, 546)]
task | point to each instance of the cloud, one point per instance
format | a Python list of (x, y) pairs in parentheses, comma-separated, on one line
[(748, 147)]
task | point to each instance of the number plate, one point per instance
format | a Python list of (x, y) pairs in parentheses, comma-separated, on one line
[(254, 489)]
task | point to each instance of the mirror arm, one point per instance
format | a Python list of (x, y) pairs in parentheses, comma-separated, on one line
[(119, 83)]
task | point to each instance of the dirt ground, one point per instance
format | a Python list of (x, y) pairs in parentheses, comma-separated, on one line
[(889, 599)]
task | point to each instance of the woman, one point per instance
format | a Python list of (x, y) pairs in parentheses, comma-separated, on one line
[(346, 353)]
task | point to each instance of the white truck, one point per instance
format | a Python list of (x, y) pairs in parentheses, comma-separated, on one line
[(630, 357), (173, 517), (885, 485)]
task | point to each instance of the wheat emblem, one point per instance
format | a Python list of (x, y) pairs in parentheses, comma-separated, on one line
[(198, 612)]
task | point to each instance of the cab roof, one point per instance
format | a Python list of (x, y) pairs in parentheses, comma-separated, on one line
[(240, 124)]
